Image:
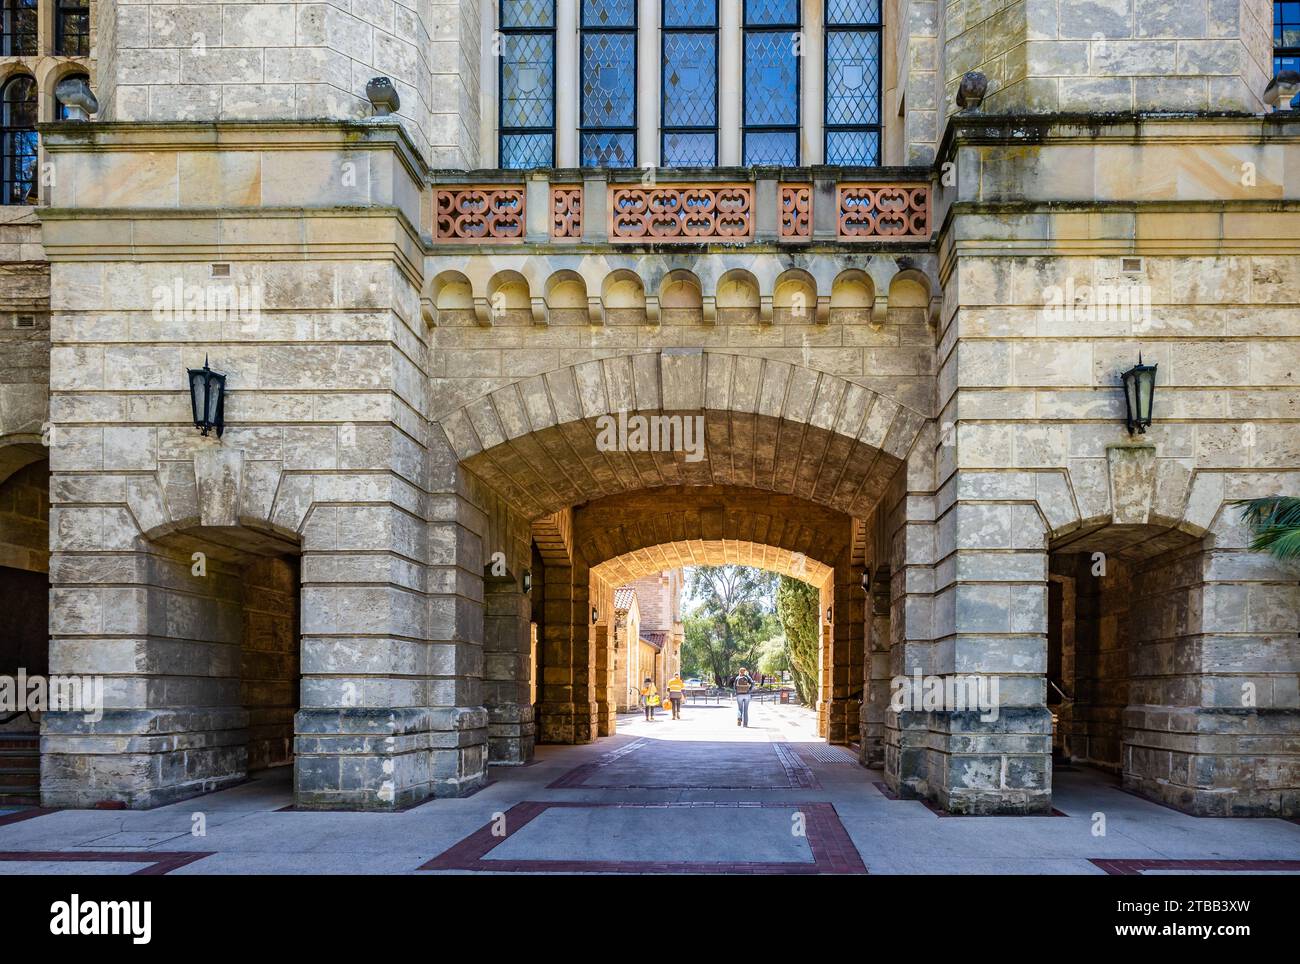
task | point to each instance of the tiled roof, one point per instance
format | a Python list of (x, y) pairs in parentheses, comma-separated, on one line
[(655, 637), (623, 598)]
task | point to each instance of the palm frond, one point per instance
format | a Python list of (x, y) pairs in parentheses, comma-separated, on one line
[(1274, 523)]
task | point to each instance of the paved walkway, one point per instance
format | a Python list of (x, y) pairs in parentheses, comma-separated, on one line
[(695, 795)]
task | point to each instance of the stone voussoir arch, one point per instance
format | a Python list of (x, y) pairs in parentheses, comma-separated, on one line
[(768, 424)]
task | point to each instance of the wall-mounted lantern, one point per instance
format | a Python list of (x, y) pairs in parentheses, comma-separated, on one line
[(208, 398), (595, 615), (1139, 394), (866, 580), (528, 581), (828, 614)]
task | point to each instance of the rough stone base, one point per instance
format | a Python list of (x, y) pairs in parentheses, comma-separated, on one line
[(141, 758), (567, 723), (1225, 762), (511, 735), (970, 766)]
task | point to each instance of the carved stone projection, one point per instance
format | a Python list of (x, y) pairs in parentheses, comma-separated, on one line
[(722, 212), (479, 214), (883, 211), (796, 212), (566, 212)]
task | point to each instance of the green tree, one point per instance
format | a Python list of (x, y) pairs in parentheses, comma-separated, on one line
[(732, 618), (1275, 523), (796, 606)]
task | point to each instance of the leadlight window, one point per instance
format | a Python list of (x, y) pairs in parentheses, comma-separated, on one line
[(1286, 36), (771, 72), (690, 83), (18, 145), (19, 28), (527, 121), (853, 82), (607, 125)]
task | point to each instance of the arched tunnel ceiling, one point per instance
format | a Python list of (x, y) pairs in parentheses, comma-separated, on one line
[(624, 537)]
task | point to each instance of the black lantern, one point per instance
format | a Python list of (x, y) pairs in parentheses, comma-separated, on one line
[(208, 398), (1139, 394), (828, 614), (866, 580), (595, 615), (528, 581)]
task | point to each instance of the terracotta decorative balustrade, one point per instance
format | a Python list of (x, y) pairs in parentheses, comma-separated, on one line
[(723, 212), (882, 211), (479, 214), (796, 212), (566, 212)]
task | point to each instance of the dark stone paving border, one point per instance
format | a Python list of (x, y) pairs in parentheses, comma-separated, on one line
[(1134, 868), (797, 773), (832, 850), (159, 862)]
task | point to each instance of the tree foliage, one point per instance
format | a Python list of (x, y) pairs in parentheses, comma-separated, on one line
[(796, 606), (732, 619), (1275, 524)]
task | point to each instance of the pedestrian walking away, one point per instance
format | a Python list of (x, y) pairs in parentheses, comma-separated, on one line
[(675, 689), (744, 689)]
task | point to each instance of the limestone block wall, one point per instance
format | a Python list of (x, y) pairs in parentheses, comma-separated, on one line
[(24, 329), (1110, 55), (913, 88), (276, 61), (1035, 448)]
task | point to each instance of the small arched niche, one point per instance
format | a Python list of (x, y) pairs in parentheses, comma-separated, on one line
[(738, 297), (794, 299)]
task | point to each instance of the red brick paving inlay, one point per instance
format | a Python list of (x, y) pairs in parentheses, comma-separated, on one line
[(1135, 868), (832, 850), (159, 861)]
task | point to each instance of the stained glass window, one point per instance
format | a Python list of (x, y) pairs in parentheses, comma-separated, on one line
[(771, 100), (690, 83), (527, 120), (1286, 36), (853, 82), (607, 134)]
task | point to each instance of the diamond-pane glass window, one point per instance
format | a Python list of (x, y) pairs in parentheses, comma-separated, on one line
[(852, 118), (771, 80), (690, 83), (1286, 36), (527, 83), (607, 118)]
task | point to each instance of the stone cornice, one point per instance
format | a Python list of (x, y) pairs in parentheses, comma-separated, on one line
[(62, 136), (248, 234), (1126, 127)]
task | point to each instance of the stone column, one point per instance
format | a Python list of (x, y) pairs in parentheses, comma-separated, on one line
[(877, 671), (567, 708), (604, 674), (991, 617), (847, 675), (507, 668)]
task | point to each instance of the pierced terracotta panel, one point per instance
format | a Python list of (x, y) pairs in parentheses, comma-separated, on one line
[(883, 211), (566, 212), (479, 214), (796, 212), (723, 212)]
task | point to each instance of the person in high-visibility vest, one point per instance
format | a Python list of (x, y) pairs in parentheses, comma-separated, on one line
[(650, 697), (675, 688)]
